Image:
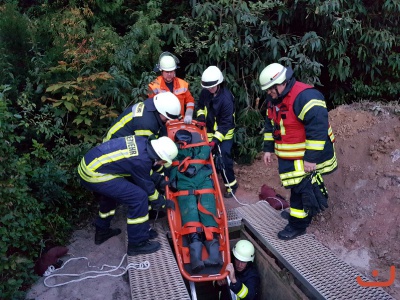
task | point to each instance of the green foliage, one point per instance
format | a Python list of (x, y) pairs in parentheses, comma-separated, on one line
[(71, 66)]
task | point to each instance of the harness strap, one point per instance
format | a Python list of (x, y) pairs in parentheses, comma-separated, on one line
[(193, 192)]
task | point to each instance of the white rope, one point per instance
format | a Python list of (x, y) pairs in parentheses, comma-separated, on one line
[(229, 185), (92, 274)]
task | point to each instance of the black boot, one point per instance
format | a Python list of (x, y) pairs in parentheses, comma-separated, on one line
[(103, 235), (145, 247), (231, 191), (195, 249), (214, 257), (290, 232)]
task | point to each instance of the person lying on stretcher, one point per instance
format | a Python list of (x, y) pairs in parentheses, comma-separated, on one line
[(196, 176)]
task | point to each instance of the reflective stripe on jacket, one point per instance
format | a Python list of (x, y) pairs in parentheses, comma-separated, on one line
[(219, 114), (121, 157), (140, 119), (180, 89)]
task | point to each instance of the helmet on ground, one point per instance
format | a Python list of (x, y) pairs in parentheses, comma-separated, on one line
[(211, 77), (272, 74), (244, 251), (183, 135), (165, 148), (168, 62), (168, 105)]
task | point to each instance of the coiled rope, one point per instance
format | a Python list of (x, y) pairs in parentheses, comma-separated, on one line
[(92, 274)]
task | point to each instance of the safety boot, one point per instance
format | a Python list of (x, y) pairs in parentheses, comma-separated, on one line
[(230, 191), (195, 250), (214, 256), (145, 247), (153, 234), (289, 232), (103, 235)]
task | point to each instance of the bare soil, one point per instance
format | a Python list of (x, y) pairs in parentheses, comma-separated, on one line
[(362, 224)]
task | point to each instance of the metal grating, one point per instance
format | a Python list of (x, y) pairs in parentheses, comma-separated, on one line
[(163, 279), (233, 218), (314, 265)]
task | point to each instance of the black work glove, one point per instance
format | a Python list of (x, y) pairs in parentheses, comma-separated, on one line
[(310, 203), (159, 203), (320, 192), (190, 171), (161, 185), (170, 204)]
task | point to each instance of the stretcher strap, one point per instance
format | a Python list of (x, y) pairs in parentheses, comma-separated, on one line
[(193, 192), (184, 164), (202, 209), (184, 146), (193, 227)]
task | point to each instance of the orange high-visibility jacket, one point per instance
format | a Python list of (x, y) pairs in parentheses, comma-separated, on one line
[(181, 91)]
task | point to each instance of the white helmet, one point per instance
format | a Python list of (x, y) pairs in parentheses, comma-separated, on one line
[(211, 77), (168, 105), (167, 62), (271, 75), (165, 148), (244, 251)]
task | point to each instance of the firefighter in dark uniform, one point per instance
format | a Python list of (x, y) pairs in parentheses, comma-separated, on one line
[(147, 119), (105, 169), (216, 108), (244, 279), (298, 132)]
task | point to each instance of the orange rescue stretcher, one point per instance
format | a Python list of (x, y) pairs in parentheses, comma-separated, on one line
[(179, 232)]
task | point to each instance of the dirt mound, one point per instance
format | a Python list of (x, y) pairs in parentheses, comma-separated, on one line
[(362, 224)]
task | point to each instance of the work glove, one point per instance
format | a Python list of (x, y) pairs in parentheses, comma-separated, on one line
[(188, 116), (319, 189), (161, 185), (170, 204), (310, 203), (159, 203), (190, 171), (201, 124)]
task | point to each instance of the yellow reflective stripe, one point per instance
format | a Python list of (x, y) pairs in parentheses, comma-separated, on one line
[(154, 196), (298, 146), (243, 292), (328, 165), (298, 213), (138, 220), (282, 127), (289, 154), (105, 215), (268, 136), (331, 135), (93, 177), (109, 157), (228, 136), (201, 112), (294, 177), (315, 145), (219, 136), (143, 132), (230, 184), (309, 105), (117, 126), (210, 136)]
